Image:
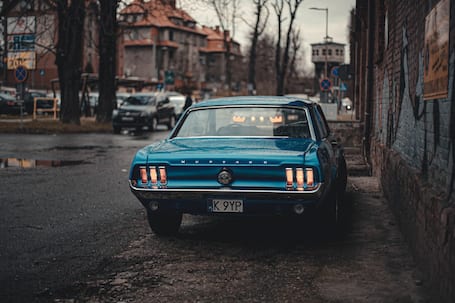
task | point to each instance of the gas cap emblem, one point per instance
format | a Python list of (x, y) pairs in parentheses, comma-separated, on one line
[(224, 177)]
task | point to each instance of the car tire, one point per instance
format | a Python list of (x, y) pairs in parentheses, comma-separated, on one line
[(164, 223), (117, 129), (171, 123), (154, 124)]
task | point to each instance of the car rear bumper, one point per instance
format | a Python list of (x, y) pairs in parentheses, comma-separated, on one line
[(255, 202), (131, 122)]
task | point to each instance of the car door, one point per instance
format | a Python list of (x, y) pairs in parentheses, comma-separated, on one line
[(164, 108)]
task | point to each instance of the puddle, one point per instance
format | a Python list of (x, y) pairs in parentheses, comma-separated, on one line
[(27, 163)]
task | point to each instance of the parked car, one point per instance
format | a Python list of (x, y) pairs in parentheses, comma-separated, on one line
[(29, 101), (121, 96), (9, 104), (178, 100), (242, 156), (144, 110)]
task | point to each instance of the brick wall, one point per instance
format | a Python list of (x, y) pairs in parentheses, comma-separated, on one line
[(412, 148)]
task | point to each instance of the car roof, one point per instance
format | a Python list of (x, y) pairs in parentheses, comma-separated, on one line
[(255, 100)]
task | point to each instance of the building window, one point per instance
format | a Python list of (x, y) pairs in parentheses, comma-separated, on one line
[(171, 35), (330, 52), (337, 52), (134, 34), (323, 52)]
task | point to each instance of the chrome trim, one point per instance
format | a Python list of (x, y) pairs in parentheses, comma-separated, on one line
[(198, 194)]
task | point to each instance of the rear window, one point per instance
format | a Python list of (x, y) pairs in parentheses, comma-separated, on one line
[(245, 122)]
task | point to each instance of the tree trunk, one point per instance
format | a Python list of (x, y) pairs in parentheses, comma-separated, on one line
[(69, 57), (107, 68)]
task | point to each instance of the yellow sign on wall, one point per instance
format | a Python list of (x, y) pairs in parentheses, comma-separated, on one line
[(26, 59), (436, 61)]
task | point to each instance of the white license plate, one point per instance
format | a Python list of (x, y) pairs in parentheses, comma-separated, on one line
[(127, 118), (227, 206)]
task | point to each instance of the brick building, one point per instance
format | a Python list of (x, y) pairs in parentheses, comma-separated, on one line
[(159, 39), (404, 62), (30, 31), (156, 39)]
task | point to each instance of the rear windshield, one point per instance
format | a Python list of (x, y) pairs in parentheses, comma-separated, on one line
[(245, 122)]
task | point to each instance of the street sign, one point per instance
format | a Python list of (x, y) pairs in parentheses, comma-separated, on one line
[(20, 74), (169, 77), (335, 71), (325, 84), (343, 87)]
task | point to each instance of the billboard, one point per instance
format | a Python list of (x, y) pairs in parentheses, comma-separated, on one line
[(436, 52)]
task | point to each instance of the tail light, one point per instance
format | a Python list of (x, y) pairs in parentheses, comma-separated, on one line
[(289, 178), (163, 176), (156, 175), (299, 177), (309, 177), (143, 172), (153, 176), (304, 179)]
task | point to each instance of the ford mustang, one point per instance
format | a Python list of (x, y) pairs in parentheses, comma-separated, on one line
[(242, 156)]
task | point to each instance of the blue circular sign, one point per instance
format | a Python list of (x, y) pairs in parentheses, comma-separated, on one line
[(325, 84), (335, 71), (20, 74)]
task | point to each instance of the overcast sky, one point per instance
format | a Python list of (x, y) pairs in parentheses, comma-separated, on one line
[(311, 22)]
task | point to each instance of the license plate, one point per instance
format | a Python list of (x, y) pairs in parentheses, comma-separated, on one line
[(127, 118), (227, 206)]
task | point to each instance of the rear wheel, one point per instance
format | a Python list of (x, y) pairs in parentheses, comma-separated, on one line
[(164, 223)]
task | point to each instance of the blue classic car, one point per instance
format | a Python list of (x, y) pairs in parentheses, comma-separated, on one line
[(242, 156)]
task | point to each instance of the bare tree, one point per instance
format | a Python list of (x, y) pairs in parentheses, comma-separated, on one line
[(71, 14), (107, 65), (226, 11), (258, 29), (282, 54), (265, 74)]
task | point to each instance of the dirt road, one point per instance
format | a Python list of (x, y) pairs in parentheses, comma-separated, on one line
[(258, 260)]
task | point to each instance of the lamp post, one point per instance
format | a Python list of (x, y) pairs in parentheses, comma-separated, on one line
[(326, 38)]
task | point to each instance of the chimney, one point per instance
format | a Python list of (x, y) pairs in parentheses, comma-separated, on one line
[(217, 29), (226, 34)]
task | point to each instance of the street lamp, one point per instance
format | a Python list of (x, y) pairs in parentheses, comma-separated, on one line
[(326, 38)]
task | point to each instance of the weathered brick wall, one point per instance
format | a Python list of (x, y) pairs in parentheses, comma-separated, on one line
[(412, 139)]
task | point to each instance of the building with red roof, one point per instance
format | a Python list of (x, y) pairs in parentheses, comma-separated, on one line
[(163, 44)]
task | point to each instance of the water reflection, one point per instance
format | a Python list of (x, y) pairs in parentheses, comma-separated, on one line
[(28, 163)]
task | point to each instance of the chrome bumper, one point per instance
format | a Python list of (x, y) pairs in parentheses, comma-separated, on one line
[(173, 194)]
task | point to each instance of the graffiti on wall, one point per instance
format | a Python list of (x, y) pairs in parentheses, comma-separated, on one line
[(415, 127)]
